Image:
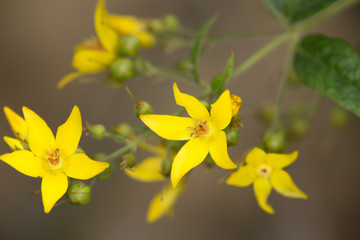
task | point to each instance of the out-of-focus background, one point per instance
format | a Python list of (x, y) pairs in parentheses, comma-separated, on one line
[(36, 42)]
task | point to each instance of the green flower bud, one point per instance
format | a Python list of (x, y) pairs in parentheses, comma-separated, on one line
[(232, 137), (120, 70), (78, 193), (274, 141), (122, 129), (129, 160), (166, 165), (299, 127), (97, 131), (339, 117), (129, 46), (170, 22), (142, 107), (266, 113), (156, 25), (184, 66)]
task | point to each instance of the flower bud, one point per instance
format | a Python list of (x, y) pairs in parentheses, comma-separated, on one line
[(299, 127), (122, 129), (129, 46), (171, 22), (184, 66), (232, 137), (79, 193), (339, 117), (266, 113), (235, 104), (166, 165), (129, 160), (120, 70), (142, 107), (97, 130), (156, 25), (274, 141)]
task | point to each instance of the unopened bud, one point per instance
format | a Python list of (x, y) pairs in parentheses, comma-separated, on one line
[(129, 160), (266, 113), (184, 66), (156, 25), (171, 22), (120, 70), (97, 130), (299, 127), (274, 141), (79, 193), (235, 104), (339, 117), (129, 46), (232, 137), (142, 107), (122, 129)]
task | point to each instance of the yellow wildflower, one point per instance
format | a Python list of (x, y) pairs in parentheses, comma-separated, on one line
[(94, 55), (163, 202), (53, 159), (266, 172), (203, 130)]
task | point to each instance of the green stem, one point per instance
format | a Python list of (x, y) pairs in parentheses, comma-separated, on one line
[(261, 53), (237, 35)]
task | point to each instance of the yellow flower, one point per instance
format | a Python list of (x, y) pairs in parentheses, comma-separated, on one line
[(53, 159), (94, 55), (266, 172), (163, 202), (129, 25), (203, 130), (18, 127)]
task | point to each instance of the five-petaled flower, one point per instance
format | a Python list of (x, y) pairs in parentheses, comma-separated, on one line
[(266, 172), (53, 159), (203, 130)]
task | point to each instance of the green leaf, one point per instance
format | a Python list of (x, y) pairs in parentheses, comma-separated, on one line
[(331, 67), (195, 50), (219, 81), (293, 11)]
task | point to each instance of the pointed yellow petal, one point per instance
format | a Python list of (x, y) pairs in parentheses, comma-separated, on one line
[(221, 110), (279, 161), (255, 157), (26, 163), (53, 186), (126, 24), (17, 123), (218, 150), (68, 135), (80, 166), (68, 79), (189, 156), (148, 170), (262, 190), (106, 34), (283, 184), (164, 202), (91, 60), (194, 107), (41, 139), (169, 127), (13, 143), (242, 177)]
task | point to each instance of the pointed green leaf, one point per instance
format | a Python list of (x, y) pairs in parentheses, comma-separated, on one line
[(331, 67), (195, 50), (219, 81), (293, 11)]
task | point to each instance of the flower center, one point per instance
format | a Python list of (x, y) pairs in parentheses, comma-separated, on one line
[(264, 171), (55, 160), (200, 129)]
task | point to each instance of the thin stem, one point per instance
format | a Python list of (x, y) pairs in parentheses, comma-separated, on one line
[(131, 94), (237, 35)]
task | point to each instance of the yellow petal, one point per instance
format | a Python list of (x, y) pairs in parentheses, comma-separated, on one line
[(221, 111), (169, 127), (242, 177), (68, 79), (53, 186), (279, 161), (194, 107), (255, 157), (80, 166), (126, 24), (283, 184), (68, 135), (26, 163), (41, 139), (163, 203), (189, 156), (148, 170), (17, 123), (218, 150), (235, 104), (13, 143), (91, 60), (146, 39), (262, 190), (106, 34)]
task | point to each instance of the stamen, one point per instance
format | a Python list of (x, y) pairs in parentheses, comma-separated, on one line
[(200, 129)]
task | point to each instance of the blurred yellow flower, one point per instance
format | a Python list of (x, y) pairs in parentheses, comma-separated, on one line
[(53, 159), (94, 55), (203, 130), (266, 172), (163, 202)]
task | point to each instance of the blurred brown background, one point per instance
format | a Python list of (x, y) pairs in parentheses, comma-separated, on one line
[(37, 38)]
